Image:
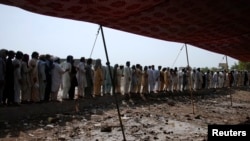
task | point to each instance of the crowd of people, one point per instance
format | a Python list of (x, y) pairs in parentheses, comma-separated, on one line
[(38, 78)]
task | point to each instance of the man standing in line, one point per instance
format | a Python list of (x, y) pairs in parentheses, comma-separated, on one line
[(151, 79), (66, 65), (103, 82), (56, 78), (42, 77), (17, 63), (33, 63), (127, 80), (157, 82), (81, 77), (48, 68), (98, 78), (108, 81), (26, 81), (3, 54), (73, 80), (9, 80), (117, 79), (89, 79)]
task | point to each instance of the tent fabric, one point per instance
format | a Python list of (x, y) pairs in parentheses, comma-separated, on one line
[(221, 26)]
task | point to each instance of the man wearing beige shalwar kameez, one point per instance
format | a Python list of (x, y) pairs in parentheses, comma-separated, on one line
[(26, 81), (33, 63), (98, 78)]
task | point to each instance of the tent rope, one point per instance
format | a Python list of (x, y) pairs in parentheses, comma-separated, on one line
[(178, 55), (95, 42)]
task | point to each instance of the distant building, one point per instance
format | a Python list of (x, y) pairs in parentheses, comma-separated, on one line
[(223, 65)]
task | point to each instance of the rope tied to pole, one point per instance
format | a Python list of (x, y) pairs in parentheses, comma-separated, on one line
[(95, 41), (178, 55)]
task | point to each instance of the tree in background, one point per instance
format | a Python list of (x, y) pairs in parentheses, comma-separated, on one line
[(205, 69), (235, 66), (244, 65), (241, 66), (214, 69)]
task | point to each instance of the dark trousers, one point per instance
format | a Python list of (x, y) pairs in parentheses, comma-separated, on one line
[(88, 92), (8, 95), (47, 90), (72, 92)]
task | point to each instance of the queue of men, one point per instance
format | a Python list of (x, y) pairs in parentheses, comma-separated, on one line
[(39, 78)]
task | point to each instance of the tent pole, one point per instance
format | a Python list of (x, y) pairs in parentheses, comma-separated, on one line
[(113, 84), (190, 77), (231, 98), (226, 63)]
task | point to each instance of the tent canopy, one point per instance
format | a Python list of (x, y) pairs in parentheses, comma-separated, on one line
[(221, 26)]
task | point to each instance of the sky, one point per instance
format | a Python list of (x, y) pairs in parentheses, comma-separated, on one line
[(25, 31)]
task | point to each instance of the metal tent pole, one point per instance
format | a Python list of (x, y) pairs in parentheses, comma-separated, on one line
[(226, 63), (113, 84), (190, 81), (231, 98)]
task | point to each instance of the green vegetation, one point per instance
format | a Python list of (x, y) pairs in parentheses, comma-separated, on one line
[(238, 66)]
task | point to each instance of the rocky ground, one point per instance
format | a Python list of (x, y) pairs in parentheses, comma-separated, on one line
[(162, 117)]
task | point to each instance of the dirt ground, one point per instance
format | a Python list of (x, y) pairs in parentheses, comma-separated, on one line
[(162, 117)]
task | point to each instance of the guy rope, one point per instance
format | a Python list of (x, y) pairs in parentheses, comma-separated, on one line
[(94, 42)]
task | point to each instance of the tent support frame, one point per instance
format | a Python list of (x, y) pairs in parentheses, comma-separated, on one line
[(113, 84), (229, 89), (190, 81)]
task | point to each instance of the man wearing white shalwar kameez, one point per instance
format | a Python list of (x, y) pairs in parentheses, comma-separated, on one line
[(180, 80), (17, 63), (66, 65), (193, 79), (236, 78), (215, 79), (151, 79), (127, 79), (81, 78), (156, 74), (220, 79), (41, 77), (56, 74)]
